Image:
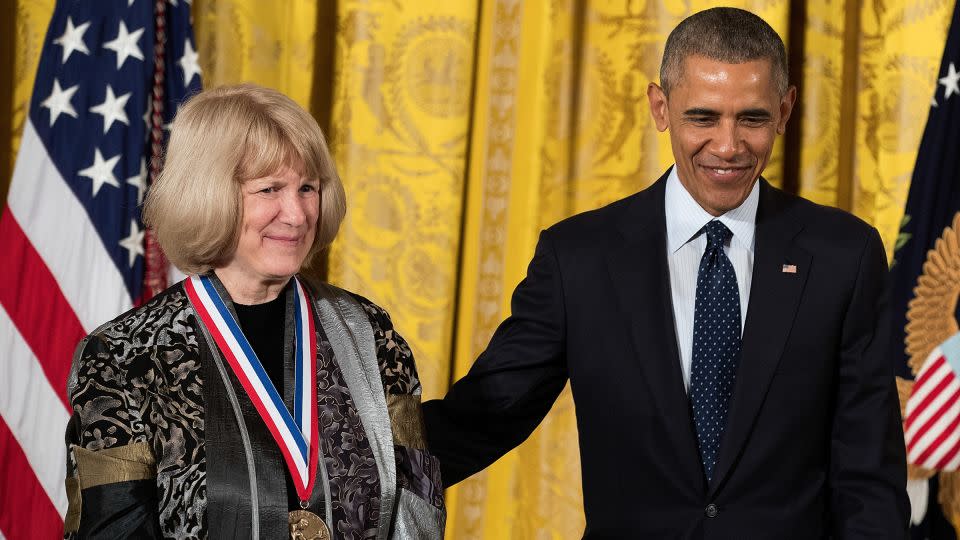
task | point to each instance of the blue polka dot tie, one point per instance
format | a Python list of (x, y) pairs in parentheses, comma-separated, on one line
[(716, 344)]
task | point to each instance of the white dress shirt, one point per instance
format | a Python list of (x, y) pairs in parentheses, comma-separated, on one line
[(686, 243)]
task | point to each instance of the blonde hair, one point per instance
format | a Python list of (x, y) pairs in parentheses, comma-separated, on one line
[(220, 139)]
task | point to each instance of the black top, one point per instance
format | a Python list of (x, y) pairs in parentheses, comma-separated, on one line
[(262, 324)]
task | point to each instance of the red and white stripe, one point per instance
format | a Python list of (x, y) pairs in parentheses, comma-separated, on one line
[(57, 283), (260, 390), (933, 416), (306, 369)]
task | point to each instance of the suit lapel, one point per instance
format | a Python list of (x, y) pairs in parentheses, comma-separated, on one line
[(774, 297), (638, 268)]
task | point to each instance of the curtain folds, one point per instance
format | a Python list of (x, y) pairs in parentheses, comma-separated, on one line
[(868, 75), (400, 127), (461, 128), (271, 43)]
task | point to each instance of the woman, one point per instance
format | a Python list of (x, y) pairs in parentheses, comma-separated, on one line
[(244, 402)]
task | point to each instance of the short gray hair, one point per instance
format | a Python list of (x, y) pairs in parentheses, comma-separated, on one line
[(724, 34)]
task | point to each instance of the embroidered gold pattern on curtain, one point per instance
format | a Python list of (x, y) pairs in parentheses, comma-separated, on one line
[(399, 128)]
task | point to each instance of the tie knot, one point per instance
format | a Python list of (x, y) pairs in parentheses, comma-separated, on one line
[(717, 234)]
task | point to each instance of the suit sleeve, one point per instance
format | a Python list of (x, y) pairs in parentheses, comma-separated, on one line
[(868, 467), (111, 468), (512, 384)]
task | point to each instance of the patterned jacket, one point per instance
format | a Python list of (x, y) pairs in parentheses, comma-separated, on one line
[(164, 442)]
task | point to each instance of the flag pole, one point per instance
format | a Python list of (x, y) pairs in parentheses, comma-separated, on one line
[(156, 265)]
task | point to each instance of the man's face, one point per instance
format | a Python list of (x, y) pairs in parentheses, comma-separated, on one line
[(723, 119)]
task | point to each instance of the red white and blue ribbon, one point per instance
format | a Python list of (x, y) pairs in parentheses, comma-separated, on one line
[(297, 435)]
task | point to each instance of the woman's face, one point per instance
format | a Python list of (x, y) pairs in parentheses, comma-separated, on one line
[(278, 225)]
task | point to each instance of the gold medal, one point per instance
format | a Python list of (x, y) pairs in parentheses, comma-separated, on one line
[(306, 525)]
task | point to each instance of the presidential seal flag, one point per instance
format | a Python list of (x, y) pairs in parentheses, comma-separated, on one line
[(926, 284), (73, 250)]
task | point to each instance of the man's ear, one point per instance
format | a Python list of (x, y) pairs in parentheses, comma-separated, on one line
[(658, 106), (786, 107)]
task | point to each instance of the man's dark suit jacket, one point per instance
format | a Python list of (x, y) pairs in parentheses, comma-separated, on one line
[(813, 446)]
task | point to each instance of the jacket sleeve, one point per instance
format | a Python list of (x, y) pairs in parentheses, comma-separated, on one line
[(111, 468), (420, 510), (868, 465), (512, 384)]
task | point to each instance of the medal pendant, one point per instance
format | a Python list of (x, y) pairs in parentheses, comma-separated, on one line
[(306, 525)]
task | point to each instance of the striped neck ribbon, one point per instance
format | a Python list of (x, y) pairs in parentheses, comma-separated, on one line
[(297, 435)]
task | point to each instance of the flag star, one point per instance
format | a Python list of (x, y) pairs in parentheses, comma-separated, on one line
[(72, 39), (133, 243), (189, 63), (59, 101), (112, 109), (139, 181), (101, 172), (951, 82), (125, 44), (933, 102)]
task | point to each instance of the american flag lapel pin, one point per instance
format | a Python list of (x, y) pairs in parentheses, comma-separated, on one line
[(789, 269)]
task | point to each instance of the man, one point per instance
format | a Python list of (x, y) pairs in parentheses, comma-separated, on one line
[(723, 340)]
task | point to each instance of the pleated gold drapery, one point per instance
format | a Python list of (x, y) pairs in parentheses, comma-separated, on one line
[(462, 128), (867, 80), (401, 118), (271, 43)]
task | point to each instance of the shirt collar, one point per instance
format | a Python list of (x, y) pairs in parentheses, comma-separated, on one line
[(685, 217)]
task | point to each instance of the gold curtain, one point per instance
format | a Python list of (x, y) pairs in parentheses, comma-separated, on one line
[(462, 128), (401, 117), (867, 79), (271, 43)]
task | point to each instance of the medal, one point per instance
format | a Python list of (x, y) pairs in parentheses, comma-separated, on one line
[(297, 435), (306, 525)]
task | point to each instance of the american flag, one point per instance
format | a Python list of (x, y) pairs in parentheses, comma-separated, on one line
[(72, 244)]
